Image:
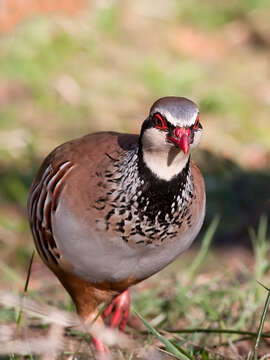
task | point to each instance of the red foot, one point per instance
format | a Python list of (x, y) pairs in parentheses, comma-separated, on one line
[(102, 350), (119, 311)]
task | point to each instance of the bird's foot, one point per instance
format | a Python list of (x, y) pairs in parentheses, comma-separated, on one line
[(118, 310), (101, 348)]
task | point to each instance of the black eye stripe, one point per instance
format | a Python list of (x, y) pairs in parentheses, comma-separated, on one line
[(197, 127), (192, 137)]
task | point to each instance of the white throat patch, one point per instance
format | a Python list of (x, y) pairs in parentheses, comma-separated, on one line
[(163, 159)]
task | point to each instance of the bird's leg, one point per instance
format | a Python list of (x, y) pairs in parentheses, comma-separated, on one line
[(118, 310), (94, 322), (100, 347), (87, 298)]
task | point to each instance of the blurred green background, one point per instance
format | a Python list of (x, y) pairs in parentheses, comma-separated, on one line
[(102, 64)]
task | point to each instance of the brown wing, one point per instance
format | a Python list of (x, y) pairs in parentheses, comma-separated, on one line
[(90, 154), (42, 203)]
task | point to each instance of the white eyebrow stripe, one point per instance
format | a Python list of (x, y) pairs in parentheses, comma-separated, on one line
[(186, 119)]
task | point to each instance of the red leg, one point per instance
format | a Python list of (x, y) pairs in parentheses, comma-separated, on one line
[(99, 345), (118, 310), (102, 352)]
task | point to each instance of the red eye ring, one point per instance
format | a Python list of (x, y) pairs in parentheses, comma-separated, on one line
[(160, 123), (197, 122)]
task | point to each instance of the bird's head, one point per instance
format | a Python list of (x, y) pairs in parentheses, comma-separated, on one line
[(172, 122), (171, 131)]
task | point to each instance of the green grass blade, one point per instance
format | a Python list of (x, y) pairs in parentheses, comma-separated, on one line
[(217, 331), (180, 354), (29, 273), (262, 229), (200, 258), (19, 318), (261, 248), (259, 334)]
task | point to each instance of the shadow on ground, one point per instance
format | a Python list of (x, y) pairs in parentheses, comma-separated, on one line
[(239, 196)]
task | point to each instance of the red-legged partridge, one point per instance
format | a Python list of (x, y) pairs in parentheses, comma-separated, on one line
[(109, 210)]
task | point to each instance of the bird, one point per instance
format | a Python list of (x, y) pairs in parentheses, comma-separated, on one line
[(108, 210)]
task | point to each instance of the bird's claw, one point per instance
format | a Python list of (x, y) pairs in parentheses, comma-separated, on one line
[(118, 310)]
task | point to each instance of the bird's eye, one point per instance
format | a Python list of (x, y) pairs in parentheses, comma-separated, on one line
[(160, 123), (197, 122)]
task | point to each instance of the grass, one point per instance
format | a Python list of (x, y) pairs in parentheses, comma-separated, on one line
[(19, 318), (200, 258), (215, 307), (178, 351), (260, 329)]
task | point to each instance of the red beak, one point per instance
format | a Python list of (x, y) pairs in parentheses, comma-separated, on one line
[(181, 139)]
